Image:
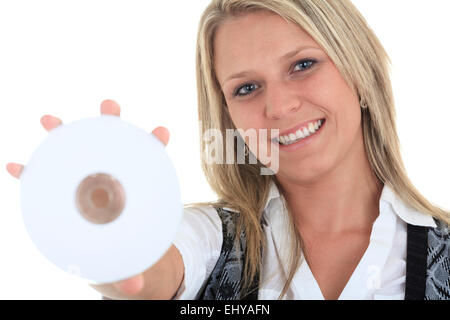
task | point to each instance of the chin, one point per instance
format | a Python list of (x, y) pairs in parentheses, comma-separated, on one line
[(300, 176)]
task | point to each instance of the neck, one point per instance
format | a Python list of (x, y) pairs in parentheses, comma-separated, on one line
[(345, 199)]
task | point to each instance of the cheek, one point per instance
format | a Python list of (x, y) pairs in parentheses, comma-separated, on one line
[(245, 118), (348, 133), (236, 116), (348, 115), (340, 104), (251, 123)]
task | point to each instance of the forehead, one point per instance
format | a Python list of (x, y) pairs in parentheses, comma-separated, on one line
[(241, 40)]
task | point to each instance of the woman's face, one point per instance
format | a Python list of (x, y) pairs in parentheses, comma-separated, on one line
[(275, 76)]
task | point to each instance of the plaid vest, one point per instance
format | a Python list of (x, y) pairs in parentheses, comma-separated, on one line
[(427, 264)]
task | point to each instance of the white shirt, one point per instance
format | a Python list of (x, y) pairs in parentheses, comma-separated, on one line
[(380, 274)]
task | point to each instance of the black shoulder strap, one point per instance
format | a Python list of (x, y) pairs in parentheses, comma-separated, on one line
[(416, 262)]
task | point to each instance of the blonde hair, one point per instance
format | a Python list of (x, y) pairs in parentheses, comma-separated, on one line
[(340, 29)]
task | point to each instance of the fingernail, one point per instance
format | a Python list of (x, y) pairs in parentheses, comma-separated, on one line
[(110, 107), (14, 169)]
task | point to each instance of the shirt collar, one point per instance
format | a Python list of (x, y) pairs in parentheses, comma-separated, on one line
[(274, 193), (404, 211), (388, 197)]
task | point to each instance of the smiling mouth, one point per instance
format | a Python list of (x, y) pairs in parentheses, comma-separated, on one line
[(302, 133)]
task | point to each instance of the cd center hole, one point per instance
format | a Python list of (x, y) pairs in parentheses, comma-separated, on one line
[(100, 198)]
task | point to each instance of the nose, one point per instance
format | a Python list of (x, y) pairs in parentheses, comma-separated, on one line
[(281, 100)]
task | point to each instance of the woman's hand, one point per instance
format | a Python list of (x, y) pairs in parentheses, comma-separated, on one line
[(135, 284), (108, 107)]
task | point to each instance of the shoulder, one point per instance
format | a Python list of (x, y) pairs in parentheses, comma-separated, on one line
[(438, 241), (204, 214), (211, 211), (439, 234), (222, 218), (199, 209), (201, 218)]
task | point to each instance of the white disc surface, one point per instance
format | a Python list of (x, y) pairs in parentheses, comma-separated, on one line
[(146, 226)]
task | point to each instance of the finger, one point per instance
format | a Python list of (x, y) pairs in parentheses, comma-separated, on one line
[(14, 169), (49, 122), (110, 107), (162, 134), (131, 286)]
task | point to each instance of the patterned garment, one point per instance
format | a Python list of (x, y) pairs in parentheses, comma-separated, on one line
[(438, 263), (427, 269), (224, 282)]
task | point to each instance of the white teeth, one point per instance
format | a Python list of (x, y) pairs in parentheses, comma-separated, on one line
[(306, 132), (301, 133)]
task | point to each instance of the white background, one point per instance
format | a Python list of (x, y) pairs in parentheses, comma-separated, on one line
[(64, 57)]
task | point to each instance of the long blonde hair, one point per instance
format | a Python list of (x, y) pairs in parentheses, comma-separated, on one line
[(340, 29)]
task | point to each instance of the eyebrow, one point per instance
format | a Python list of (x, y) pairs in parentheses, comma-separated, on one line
[(283, 57)]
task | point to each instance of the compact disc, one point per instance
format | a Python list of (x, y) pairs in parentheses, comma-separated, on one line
[(100, 198)]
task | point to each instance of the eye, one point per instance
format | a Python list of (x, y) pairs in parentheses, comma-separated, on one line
[(304, 64), (245, 90)]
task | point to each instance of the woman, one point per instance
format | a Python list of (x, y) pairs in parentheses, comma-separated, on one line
[(340, 185), (340, 219)]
